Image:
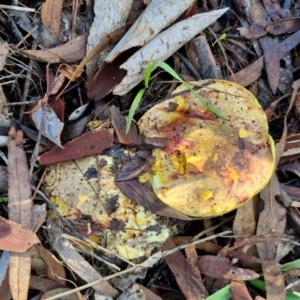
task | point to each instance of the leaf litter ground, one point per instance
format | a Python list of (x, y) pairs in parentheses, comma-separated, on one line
[(249, 253)]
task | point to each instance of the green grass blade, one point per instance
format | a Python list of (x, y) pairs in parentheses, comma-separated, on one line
[(222, 294), (291, 265), (168, 69), (148, 72), (135, 104), (259, 284)]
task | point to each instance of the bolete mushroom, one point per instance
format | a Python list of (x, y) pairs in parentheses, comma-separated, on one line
[(209, 166), (84, 190)]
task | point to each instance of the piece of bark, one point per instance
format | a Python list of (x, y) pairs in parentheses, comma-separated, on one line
[(90, 143), (207, 62)]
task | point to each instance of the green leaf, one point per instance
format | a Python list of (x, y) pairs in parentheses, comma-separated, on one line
[(135, 104), (291, 265), (222, 294), (261, 285), (223, 36), (148, 72), (3, 199), (168, 69)]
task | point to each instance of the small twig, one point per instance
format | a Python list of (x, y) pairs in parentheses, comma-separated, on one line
[(3, 6), (26, 36), (4, 158), (188, 65), (21, 103), (140, 266)]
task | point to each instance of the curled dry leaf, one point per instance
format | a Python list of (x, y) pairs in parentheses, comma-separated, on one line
[(69, 70), (209, 165), (51, 125), (109, 16)]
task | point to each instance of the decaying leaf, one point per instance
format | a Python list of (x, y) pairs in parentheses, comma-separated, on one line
[(13, 237), (272, 60), (209, 165)]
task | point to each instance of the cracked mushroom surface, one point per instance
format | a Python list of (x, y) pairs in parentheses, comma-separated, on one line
[(85, 190), (209, 166)]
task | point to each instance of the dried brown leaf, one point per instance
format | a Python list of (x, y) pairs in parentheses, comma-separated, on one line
[(90, 143), (252, 32), (133, 169), (43, 284), (192, 257), (69, 70), (20, 203), (272, 60), (50, 15), (55, 269), (119, 122), (239, 290), (274, 10), (284, 26), (69, 52), (249, 74), (13, 237), (272, 220), (182, 272), (220, 267)]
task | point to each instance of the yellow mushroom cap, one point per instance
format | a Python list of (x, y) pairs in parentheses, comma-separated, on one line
[(209, 166)]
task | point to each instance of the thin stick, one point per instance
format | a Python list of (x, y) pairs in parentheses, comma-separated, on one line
[(3, 6), (140, 266)]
